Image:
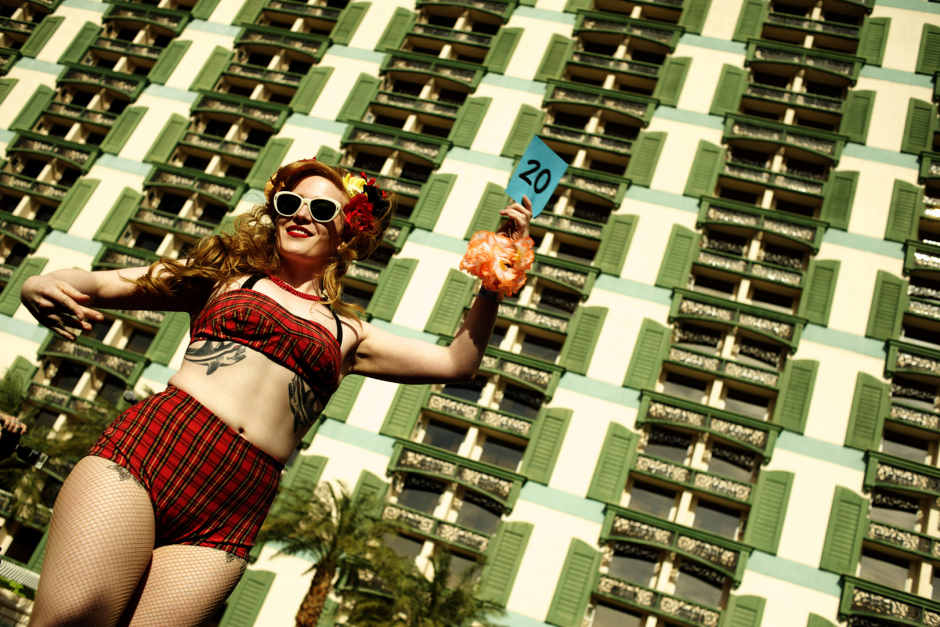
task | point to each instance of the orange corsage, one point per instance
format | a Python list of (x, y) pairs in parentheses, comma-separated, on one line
[(499, 261)]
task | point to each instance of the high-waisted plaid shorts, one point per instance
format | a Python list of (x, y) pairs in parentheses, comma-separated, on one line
[(208, 485)]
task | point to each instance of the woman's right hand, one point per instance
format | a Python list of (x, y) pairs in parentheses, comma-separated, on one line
[(58, 306)]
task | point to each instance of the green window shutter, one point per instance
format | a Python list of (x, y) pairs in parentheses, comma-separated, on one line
[(556, 55), (750, 20), (404, 410), (309, 89), (574, 585), (371, 487), (391, 288), (816, 301), (501, 48), (249, 12), (244, 605), (743, 611), (72, 204), (796, 393), (847, 522), (41, 34), (856, 115), (709, 160), (503, 557), (765, 522), (169, 59), (671, 80), (468, 121), (76, 50), (122, 129), (615, 242), (357, 102), (341, 403), (613, 465), (870, 405), (839, 198), (430, 203), (693, 15), (396, 30), (888, 303), (928, 58), (329, 156), (29, 114), (648, 353), (6, 86), (113, 226), (173, 131), (815, 620), (304, 473), (572, 6), (677, 260), (731, 85), (21, 373), (173, 329), (328, 615), (348, 22), (907, 205), (583, 331), (527, 124), (486, 217), (269, 160), (10, 296), (918, 127), (204, 8), (450, 303), (872, 39), (545, 444), (39, 553), (212, 69), (644, 154)]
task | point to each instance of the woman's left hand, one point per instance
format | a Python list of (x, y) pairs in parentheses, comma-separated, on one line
[(519, 217), (12, 423)]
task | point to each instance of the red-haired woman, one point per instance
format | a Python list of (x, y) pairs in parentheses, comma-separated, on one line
[(153, 526)]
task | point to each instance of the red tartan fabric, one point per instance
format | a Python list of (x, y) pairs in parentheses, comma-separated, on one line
[(259, 322), (209, 486)]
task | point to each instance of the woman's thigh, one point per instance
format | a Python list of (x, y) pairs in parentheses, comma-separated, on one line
[(100, 542)]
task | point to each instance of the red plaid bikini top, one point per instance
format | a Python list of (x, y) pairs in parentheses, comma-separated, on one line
[(259, 322)]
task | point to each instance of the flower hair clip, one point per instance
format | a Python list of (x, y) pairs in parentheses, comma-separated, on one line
[(365, 197)]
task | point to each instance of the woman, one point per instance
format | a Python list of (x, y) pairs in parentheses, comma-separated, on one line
[(157, 520)]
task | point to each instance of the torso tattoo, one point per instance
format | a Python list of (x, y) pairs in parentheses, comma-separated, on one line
[(304, 403), (215, 355)]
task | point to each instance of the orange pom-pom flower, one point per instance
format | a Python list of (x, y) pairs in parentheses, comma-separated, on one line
[(498, 261)]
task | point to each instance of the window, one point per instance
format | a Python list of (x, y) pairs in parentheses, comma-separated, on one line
[(67, 375), (500, 453), (403, 546), (444, 436), (906, 446), (742, 402), (699, 584), (884, 569), (652, 499), (462, 568), (479, 512), (112, 390), (732, 463), (469, 391), (521, 401), (685, 387), (668, 444), (717, 519), (139, 341), (631, 562), (894, 509), (421, 494), (609, 616)]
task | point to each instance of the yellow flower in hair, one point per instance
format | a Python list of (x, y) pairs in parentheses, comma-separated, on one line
[(353, 184)]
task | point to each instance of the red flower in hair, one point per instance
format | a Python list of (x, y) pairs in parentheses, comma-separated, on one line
[(358, 213)]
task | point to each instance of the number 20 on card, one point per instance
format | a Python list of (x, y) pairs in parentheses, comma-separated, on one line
[(536, 176)]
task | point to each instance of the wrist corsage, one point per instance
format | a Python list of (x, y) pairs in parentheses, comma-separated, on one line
[(499, 261)]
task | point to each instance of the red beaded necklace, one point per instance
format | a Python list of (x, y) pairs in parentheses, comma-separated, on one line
[(284, 286)]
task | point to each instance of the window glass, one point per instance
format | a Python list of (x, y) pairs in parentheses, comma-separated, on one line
[(461, 567), (747, 404), (444, 436), (699, 583), (914, 449), (935, 582), (480, 513), (500, 453), (540, 348), (633, 563), (421, 494), (607, 616), (469, 391), (685, 387), (520, 401), (67, 375), (668, 444), (717, 519), (404, 546), (893, 509), (99, 329), (699, 338), (46, 418), (914, 393), (652, 499), (112, 390), (886, 570), (732, 463), (498, 334), (139, 341)]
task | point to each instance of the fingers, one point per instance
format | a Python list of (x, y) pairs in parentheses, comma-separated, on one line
[(55, 307), (12, 423)]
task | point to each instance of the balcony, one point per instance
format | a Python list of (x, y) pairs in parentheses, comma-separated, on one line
[(213, 187), (164, 20), (794, 98), (428, 151), (236, 72), (572, 97), (17, 27), (122, 364), (6, 272), (574, 276), (729, 368), (78, 155), (128, 48), (406, 187), (28, 232), (173, 223), (125, 85), (143, 316), (864, 602), (607, 63), (323, 17), (780, 180), (693, 479), (232, 108), (27, 185), (450, 36), (832, 64), (754, 130), (534, 374), (569, 224), (113, 257), (895, 473), (63, 401), (910, 359), (656, 602), (436, 529), (449, 73), (209, 145), (417, 105), (918, 544), (799, 230), (500, 8), (803, 25), (36, 516), (8, 57), (606, 187), (583, 140), (605, 23), (273, 40), (505, 422), (397, 233), (73, 113), (929, 166), (922, 258)]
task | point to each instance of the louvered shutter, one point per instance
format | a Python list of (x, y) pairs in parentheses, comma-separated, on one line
[(572, 6), (889, 301), (815, 620), (613, 465), (305, 473), (430, 203), (40, 36), (731, 84), (615, 242), (29, 114), (469, 118), (709, 160), (173, 131), (169, 59), (583, 332), (693, 15), (870, 405), (555, 57), (671, 79), (249, 12), (212, 69), (269, 160), (328, 615), (928, 58), (114, 225), (743, 611), (39, 554), (644, 155), (122, 129), (819, 290), (391, 287), (768, 512), (172, 331), (796, 393), (404, 410), (839, 198), (486, 217), (329, 156), (450, 303), (651, 346), (545, 441), (574, 585), (750, 20), (847, 522), (503, 557), (343, 399), (907, 206), (396, 30), (527, 124), (677, 260), (370, 488), (872, 39), (501, 48), (856, 115), (203, 9), (357, 102), (348, 22), (84, 38), (310, 88), (6, 86), (10, 296), (919, 127), (244, 605), (20, 374), (72, 204)]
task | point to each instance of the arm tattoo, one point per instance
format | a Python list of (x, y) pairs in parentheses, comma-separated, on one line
[(215, 355), (303, 403)]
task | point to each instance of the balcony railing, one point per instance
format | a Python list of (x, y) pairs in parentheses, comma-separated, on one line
[(16, 26), (128, 48), (929, 165), (217, 144), (584, 139), (863, 600), (114, 256), (264, 75), (799, 230), (417, 105), (437, 529), (124, 84), (365, 272), (28, 232), (312, 45), (120, 363), (487, 6), (79, 155), (29, 185), (215, 187), (778, 327), (6, 271), (411, 143), (170, 222), (62, 400), (532, 373), (606, 186), (657, 602), (7, 58), (904, 539), (150, 318), (591, 22), (692, 478), (471, 412), (720, 365), (408, 187), (773, 179), (164, 19), (794, 98), (303, 9), (813, 26), (272, 116), (569, 224), (754, 269), (638, 68), (839, 65), (451, 35), (462, 73), (823, 144), (900, 474), (532, 316), (82, 114), (903, 357), (575, 276), (572, 94)]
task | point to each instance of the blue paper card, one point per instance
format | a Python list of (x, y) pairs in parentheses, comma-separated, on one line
[(537, 175)]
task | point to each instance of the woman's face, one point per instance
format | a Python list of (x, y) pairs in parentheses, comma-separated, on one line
[(302, 239)]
